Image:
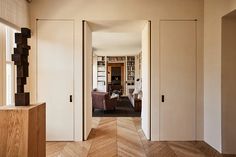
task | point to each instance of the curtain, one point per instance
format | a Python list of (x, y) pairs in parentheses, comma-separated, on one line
[(14, 13)]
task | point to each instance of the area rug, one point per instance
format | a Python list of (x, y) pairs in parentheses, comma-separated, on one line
[(124, 108)]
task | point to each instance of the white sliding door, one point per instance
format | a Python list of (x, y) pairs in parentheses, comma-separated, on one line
[(88, 79), (55, 48), (146, 114), (178, 80)]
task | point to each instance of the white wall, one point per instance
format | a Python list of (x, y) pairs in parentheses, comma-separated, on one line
[(214, 10), (153, 10)]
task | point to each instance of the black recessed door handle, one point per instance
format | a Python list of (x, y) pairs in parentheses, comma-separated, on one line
[(70, 98), (162, 98)]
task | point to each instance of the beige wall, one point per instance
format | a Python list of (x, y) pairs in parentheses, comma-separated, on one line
[(228, 84), (153, 10), (213, 10)]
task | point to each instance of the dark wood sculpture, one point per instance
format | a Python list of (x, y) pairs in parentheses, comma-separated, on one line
[(20, 58)]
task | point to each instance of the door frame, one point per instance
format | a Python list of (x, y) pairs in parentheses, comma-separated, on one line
[(83, 74)]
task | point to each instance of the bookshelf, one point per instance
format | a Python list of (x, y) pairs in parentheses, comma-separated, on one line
[(101, 73), (116, 59), (130, 70), (140, 64)]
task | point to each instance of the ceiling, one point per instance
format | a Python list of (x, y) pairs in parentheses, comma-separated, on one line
[(116, 38)]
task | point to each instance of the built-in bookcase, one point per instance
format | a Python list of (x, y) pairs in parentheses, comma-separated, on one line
[(113, 59), (101, 73), (140, 64), (130, 70)]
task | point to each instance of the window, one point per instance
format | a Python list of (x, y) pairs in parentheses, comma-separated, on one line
[(7, 72), (10, 68)]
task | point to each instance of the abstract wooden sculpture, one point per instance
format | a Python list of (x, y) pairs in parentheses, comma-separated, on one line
[(20, 58)]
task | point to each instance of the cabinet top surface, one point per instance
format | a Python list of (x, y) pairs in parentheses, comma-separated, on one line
[(11, 107)]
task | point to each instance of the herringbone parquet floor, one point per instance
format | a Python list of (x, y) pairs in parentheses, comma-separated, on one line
[(123, 137)]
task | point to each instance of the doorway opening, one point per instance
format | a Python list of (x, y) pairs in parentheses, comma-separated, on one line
[(228, 84), (116, 71), (116, 78)]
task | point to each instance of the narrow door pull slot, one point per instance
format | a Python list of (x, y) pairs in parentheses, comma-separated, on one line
[(70, 98), (162, 98)]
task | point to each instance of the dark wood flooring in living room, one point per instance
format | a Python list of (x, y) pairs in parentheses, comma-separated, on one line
[(122, 136)]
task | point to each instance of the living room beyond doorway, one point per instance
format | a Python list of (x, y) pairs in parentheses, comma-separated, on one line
[(117, 87), (127, 93), (117, 69)]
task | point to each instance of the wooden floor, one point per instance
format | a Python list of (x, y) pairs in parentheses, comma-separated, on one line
[(119, 136)]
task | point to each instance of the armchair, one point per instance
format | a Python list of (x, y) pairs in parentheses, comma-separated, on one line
[(102, 100)]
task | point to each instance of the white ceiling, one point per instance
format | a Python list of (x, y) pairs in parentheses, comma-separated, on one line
[(116, 38), (116, 44), (117, 25)]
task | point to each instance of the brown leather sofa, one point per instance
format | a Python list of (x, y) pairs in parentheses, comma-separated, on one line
[(102, 100)]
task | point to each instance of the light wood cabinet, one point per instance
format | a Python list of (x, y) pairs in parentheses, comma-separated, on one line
[(22, 131)]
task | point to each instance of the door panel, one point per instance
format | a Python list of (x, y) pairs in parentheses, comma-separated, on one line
[(178, 80), (55, 77), (146, 81), (88, 79)]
